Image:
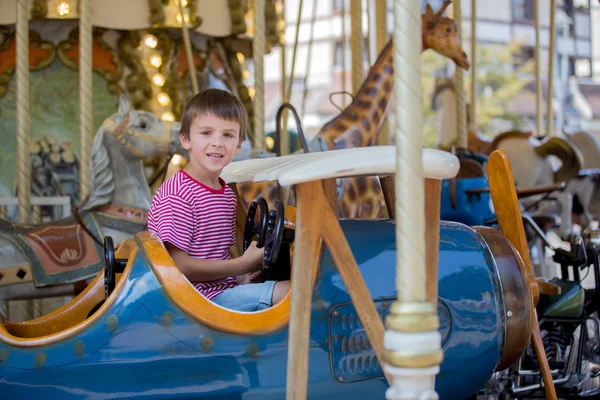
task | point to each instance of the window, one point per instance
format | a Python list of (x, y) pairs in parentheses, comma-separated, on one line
[(337, 5), (583, 67), (337, 55), (522, 10)]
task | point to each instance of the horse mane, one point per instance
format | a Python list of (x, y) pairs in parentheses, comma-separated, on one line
[(103, 182)]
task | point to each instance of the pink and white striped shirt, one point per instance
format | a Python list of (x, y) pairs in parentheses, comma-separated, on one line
[(198, 220)]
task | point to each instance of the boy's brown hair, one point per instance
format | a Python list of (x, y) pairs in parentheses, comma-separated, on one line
[(219, 103)]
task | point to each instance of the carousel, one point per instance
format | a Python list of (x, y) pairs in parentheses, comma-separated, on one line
[(414, 271)]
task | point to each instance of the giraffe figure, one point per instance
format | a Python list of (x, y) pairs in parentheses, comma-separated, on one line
[(359, 123)]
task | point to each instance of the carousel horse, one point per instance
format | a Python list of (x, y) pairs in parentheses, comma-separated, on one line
[(47, 260), (530, 158), (586, 187), (359, 123)]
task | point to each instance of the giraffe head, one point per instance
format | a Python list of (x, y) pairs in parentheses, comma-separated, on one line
[(441, 35)]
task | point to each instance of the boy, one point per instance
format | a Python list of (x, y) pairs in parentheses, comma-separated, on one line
[(193, 212)]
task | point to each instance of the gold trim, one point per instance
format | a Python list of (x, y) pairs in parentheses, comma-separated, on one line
[(157, 13), (137, 82), (190, 302), (112, 78), (166, 319), (253, 349), (413, 359), (71, 318), (9, 275), (412, 317), (176, 86), (420, 308), (35, 42), (39, 10), (163, 14), (112, 323), (207, 343), (40, 360), (79, 348), (237, 13), (412, 323), (4, 353)]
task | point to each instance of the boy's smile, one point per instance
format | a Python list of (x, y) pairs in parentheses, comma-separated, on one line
[(212, 144)]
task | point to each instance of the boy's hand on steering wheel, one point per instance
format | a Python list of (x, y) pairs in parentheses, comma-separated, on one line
[(256, 277), (254, 257)]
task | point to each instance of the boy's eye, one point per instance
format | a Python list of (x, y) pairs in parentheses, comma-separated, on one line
[(205, 132)]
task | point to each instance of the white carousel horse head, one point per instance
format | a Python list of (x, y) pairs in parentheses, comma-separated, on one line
[(121, 144)]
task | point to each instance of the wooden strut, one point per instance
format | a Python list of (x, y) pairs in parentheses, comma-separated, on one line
[(433, 188), (316, 222), (506, 205)]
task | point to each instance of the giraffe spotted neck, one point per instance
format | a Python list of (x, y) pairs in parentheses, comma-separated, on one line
[(359, 123)]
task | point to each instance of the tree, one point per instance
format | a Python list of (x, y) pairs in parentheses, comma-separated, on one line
[(499, 77)]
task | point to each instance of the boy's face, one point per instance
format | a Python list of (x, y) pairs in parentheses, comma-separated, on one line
[(213, 142)]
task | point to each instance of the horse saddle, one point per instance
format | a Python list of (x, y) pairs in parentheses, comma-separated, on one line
[(59, 252)]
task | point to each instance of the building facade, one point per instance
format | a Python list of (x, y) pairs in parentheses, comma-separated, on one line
[(499, 22)]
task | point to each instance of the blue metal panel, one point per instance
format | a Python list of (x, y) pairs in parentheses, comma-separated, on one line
[(470, 209), (145, 347)]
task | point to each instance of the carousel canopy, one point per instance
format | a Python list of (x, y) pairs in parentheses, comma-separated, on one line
[(213, 18)]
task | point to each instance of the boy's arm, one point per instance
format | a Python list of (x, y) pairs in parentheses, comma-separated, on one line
[(199, 270)]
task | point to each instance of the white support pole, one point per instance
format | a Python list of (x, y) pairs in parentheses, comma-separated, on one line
[(357, 44), (23, 165), (549, 97), (85, 97), (461, 109), (412, 343), (538, 74), (258, 54), (473, 104)]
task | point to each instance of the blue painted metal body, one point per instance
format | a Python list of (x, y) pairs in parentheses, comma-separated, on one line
[(135, 352), (470, 209)]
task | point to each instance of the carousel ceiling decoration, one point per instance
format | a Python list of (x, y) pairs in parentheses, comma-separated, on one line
[(41, 54), (104, 60), (165, 13)]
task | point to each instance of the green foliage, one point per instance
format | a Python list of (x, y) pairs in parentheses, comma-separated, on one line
[(498, 83)]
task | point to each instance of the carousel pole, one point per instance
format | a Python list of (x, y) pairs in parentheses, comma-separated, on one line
[(381, 35), (344, 84), (85, 97), (461, 109), (258, 55), (473, 105), (285, 140), (188, 50), (538, 78), (24, 310), (288, 88), (357, 44), (23, 164), (549, 118), (308, 58), (412, 343)]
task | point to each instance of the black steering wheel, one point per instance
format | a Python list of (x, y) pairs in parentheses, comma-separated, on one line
[(110, 270), (112, 266), (259, 228), (276, 262)]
